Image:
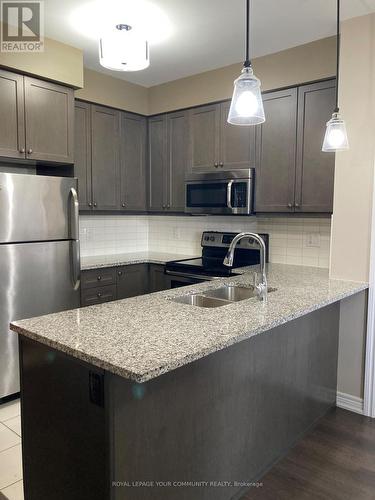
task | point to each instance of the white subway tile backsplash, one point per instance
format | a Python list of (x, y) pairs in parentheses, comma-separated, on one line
[(291, 239)]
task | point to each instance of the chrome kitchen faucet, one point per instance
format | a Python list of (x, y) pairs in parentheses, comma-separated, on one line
[(260, 287)]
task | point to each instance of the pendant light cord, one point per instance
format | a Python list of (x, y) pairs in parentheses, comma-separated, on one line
[(247, 63), (338, 44)]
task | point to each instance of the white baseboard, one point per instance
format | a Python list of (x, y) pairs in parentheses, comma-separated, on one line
[(348, 402)]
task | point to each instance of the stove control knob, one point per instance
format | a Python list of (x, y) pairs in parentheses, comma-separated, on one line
[(206, 238), (212, 238)]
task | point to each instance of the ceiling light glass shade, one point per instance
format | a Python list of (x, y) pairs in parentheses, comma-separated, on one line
[(336, 137), (123, 50), (247, 104)]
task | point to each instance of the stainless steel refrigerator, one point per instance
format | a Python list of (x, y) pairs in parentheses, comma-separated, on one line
[(39, 257)]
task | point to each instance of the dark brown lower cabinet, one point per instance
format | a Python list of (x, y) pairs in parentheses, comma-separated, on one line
[(132, 281), (123, 282), (91, 435), (157, 278)]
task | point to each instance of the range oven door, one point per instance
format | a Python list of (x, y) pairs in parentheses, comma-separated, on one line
[(220, 194), (178, 281)]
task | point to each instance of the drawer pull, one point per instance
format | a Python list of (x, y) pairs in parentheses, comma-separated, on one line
[(120, 273), (99, 295), (99, 278)]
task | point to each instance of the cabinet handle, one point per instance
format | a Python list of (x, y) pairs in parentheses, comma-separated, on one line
[(290, 205), (99, 295), (216, 165), (90, 204), (297, 205), (99, 278), (95, 204), (221, 164), (119, 273), (168, 206), (123, 205), (29, 151), (22, 150)]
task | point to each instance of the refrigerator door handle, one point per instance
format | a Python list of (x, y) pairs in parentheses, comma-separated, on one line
[(74, 215), (76, 264)]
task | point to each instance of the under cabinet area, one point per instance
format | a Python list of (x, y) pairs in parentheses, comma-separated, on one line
[(121, 282), (39, 119)]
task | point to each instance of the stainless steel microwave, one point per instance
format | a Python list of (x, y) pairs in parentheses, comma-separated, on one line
[(224, 192)]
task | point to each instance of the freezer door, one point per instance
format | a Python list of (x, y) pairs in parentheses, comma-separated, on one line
[(35, 279), (36, 208)]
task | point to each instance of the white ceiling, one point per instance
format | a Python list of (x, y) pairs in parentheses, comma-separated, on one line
[(208, 34)]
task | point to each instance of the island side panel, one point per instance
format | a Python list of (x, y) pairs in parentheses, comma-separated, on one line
[(64, 442), (226, 417)]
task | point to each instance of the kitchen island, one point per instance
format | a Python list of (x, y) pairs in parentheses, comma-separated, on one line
[(148, 398)]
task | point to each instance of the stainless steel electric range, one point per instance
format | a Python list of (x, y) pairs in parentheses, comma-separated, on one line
[(210, 265)]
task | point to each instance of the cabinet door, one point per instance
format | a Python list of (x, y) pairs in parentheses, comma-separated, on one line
[(82, 153), (177, 163), (204, 131), (315, 169), (237, 144), (12, 125), (157, 151), (132, 281), (105, 130), (157, 278), (276, 153), (133, 162), (49, 121)]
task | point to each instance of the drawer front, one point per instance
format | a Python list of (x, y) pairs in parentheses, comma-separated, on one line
[(98, 277), (98, 295)]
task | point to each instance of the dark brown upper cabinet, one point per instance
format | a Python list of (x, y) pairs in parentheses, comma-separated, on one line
[(215, 144), (315, 169), (40, 119), (293, 175), (237, 144), (12, 129), (168, 161), (133, 162), (105, 162), (82, 153), (276, 153), (49, 121)]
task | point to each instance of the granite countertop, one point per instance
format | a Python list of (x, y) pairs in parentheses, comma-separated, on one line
[(125, 259), (143, 337)]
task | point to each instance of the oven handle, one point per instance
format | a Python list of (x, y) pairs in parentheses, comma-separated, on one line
[(193, 276), (229, 194)]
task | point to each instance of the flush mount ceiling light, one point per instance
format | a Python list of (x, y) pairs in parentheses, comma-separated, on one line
[(247, 104), (122, 49), (336, 137)]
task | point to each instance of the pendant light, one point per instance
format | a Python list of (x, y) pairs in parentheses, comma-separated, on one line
[(247, 105), (122, 49), (336, 137)]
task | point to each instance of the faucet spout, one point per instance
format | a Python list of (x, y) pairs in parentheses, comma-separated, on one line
[(261, 287)]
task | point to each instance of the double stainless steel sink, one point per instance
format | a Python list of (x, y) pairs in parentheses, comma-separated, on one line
[(219, 297)]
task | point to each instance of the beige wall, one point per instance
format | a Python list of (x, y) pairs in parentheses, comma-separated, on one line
[(104, 89), (59, 62), (351, 222), (304, 63)]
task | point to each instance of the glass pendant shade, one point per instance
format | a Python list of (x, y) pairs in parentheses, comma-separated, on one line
[(336, 137), (123, 50), (247, 104)]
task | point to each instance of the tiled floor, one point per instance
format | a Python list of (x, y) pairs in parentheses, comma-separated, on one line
[(11, 487)]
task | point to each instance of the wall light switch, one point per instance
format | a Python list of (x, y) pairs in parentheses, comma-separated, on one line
[(313, 240)]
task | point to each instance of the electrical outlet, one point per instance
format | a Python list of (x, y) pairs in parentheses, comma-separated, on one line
[(313, 240)]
